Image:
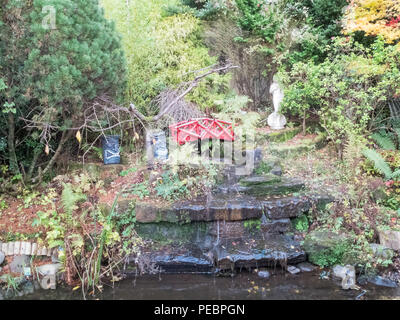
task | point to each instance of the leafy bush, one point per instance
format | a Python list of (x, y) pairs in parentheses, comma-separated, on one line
[(330, 257), (162, 52), (171, 187), (52, 75), (202, 9), (301, 223), (345, 90)]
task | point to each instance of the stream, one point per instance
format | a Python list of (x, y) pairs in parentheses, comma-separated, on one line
[(306, 286)]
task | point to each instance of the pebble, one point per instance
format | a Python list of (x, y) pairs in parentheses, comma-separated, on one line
[(2, 257), (306, 267), (293, 270), (264, 274)]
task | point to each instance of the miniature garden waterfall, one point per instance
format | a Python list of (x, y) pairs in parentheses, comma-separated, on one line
[(244, 224)]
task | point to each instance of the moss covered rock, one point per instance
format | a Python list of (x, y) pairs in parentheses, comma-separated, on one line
[(326, 248)]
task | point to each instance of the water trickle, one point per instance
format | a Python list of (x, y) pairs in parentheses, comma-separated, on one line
[(217, 232)]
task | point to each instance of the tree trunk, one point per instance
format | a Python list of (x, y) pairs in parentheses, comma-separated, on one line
[(31, 169), (304, 124), (13, 161), (65, 136)]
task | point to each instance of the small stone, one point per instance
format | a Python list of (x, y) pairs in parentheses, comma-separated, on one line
[(306, 267), (22, 248), (293, 270), (349, 282), (10, 249), (48, 282), (347, 274), (264, 274), (17, 247), (390, 239), (49, 269), (339, 271), (2, 257), (383, 282), (34, 249), (18, 263), (4, 248), (277, 171), (28, 248)]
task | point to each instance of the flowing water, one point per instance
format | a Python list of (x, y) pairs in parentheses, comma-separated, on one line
[(206, 287)]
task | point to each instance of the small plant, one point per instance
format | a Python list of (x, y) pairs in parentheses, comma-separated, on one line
[(387, 142), (11, 283), (301, 223), (170, 187), (124, 173), (252, 225), (141, 190), (330, 257)]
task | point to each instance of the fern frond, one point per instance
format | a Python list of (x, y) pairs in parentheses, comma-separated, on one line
[(70, 198), (380, 163), (384, 141), (396, 174)]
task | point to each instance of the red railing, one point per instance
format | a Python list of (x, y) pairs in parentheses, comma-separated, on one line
[(202, 128)]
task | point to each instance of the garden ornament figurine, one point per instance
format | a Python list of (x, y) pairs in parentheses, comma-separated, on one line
[(276, 121)]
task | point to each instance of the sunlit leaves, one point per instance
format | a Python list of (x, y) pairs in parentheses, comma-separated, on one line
[(374, 17)]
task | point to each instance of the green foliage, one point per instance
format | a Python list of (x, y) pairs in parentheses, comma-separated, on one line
[(50, 74), (171, 187), (330, 257), (125, 221), (202, 9), (301, 223), (321, 19), (141, 190), (380, 163), (263, 168), (252, 225), (383, 140), (124, 173), (260, 19), (11, 283), (344, 90), (162, 52), (70, 197)]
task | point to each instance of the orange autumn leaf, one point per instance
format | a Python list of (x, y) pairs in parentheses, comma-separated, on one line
[(374, 17)]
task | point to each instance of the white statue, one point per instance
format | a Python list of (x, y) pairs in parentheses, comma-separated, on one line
[(276, 121)]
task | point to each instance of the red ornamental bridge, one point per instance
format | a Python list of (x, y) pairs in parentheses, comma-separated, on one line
[(201, 129)]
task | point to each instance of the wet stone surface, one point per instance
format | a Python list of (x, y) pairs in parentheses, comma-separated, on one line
[(256, 252), (227, 207)]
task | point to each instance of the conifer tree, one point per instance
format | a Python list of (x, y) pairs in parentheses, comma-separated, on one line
[(57, 56)]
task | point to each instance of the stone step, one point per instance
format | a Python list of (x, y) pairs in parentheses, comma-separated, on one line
[(284, 187), (256, 252), (231, 254), (179, 260), (225, 207), (260, 180)]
